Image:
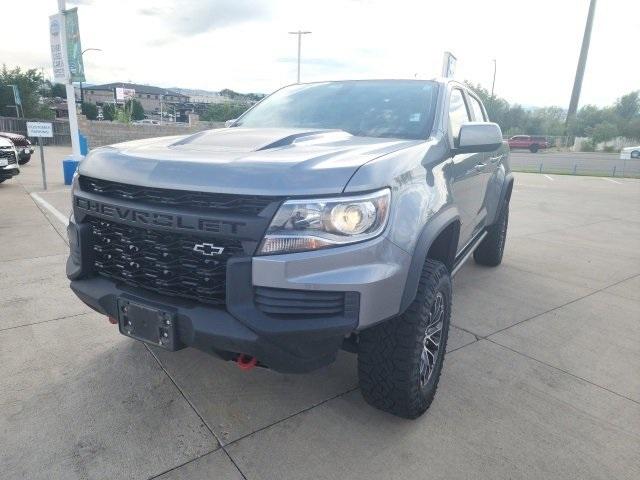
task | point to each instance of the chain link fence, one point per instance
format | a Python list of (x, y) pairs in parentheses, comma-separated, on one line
[(61, 135)]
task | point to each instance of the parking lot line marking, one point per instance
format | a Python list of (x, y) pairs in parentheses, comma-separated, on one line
[(550, 178), (56, 213), (610, 180)]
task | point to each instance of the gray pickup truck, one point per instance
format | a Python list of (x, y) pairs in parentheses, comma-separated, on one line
[(329, 216)]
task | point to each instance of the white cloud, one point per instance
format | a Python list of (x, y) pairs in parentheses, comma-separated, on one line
[(244, 45)]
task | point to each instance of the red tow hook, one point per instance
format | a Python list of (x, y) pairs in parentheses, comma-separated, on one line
[(246, 362), (113, 321)]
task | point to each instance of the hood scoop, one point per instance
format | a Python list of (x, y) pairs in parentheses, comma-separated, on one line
[(239, 139)]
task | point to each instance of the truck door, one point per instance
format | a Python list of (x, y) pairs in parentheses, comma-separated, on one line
[(490, 162), (468, 183)]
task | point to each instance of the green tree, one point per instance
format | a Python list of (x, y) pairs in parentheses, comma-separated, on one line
[(122, 114), (108, 111), (135, 107), (58, 90), (90, 110), (29, 83), (631, 129), (628, 106), (603, 132), (221, 112)]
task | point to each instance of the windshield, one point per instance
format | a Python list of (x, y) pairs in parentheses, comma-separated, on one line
[(370, 108)]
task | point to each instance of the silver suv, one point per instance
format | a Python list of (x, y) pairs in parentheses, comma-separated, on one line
[(329, 216)]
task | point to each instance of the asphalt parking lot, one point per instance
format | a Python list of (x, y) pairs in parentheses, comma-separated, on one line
[(542, 377)]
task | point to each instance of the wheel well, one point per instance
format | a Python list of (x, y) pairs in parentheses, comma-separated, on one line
[(445, 245), (507, 196)]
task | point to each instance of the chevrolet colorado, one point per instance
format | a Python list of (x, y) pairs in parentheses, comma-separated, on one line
[(330, 215)]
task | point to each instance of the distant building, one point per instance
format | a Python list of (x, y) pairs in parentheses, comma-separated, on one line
[(208, 98), (151, 98)]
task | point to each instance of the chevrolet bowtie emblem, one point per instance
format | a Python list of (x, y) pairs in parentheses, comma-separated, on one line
[(208, 249)]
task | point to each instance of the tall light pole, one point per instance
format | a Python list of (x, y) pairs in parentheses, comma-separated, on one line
[(299, 33), (82, 55), (493, 85), (582, 62)]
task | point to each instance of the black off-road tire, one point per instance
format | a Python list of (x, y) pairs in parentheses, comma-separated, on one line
[(534, 148), (24, 161), (491, 249), (392, 355)]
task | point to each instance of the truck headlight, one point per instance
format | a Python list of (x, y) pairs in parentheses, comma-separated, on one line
[(311, 224)]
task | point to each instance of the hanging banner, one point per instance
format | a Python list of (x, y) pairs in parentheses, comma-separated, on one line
[(74, 47), (66, 49), (58, 57), (16, 95)]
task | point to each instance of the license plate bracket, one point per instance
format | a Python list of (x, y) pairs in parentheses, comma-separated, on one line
[(147, 323)]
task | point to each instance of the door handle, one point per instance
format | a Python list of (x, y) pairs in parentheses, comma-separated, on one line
[(496, 159), (479, 166)]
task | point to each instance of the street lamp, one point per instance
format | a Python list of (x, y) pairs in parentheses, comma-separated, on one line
[(82, 55), (299, 33), (495, 67)]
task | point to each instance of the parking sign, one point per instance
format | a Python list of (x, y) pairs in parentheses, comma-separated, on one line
[(40, 129)]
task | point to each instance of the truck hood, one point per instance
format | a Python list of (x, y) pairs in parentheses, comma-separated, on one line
[(242, 160)]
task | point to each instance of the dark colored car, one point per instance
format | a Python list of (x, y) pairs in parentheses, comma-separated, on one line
[(22, 144), (528, 142)]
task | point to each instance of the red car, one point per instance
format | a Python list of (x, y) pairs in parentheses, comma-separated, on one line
[(528, 142)]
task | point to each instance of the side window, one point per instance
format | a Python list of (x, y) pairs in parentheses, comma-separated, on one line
[(478, 113), (458, 113)]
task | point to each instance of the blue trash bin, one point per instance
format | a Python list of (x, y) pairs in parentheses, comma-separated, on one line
[(69, 167), (84, 145)]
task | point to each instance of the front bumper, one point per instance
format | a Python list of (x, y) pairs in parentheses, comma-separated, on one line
[(9, 171), (371, 275), (24, 153)]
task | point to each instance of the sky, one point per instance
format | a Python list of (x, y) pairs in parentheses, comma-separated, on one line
[(244, 45)]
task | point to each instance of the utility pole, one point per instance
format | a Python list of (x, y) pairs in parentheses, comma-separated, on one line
[(299, 33), (582, 62), (493, 85)]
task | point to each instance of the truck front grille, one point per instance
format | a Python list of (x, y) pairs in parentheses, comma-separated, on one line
[(221, 202), (9, 154), (168, 263)]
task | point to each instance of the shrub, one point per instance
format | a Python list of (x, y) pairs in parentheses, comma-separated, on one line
[(90, 110), (588, 146)]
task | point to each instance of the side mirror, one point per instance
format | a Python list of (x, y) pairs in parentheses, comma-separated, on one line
[(229, 123), (479, 137)]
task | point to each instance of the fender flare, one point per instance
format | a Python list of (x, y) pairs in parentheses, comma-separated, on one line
[(507, 188), (434, 227)]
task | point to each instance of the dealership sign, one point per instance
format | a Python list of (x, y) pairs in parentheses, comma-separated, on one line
[(124, 94), (66, 49)]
